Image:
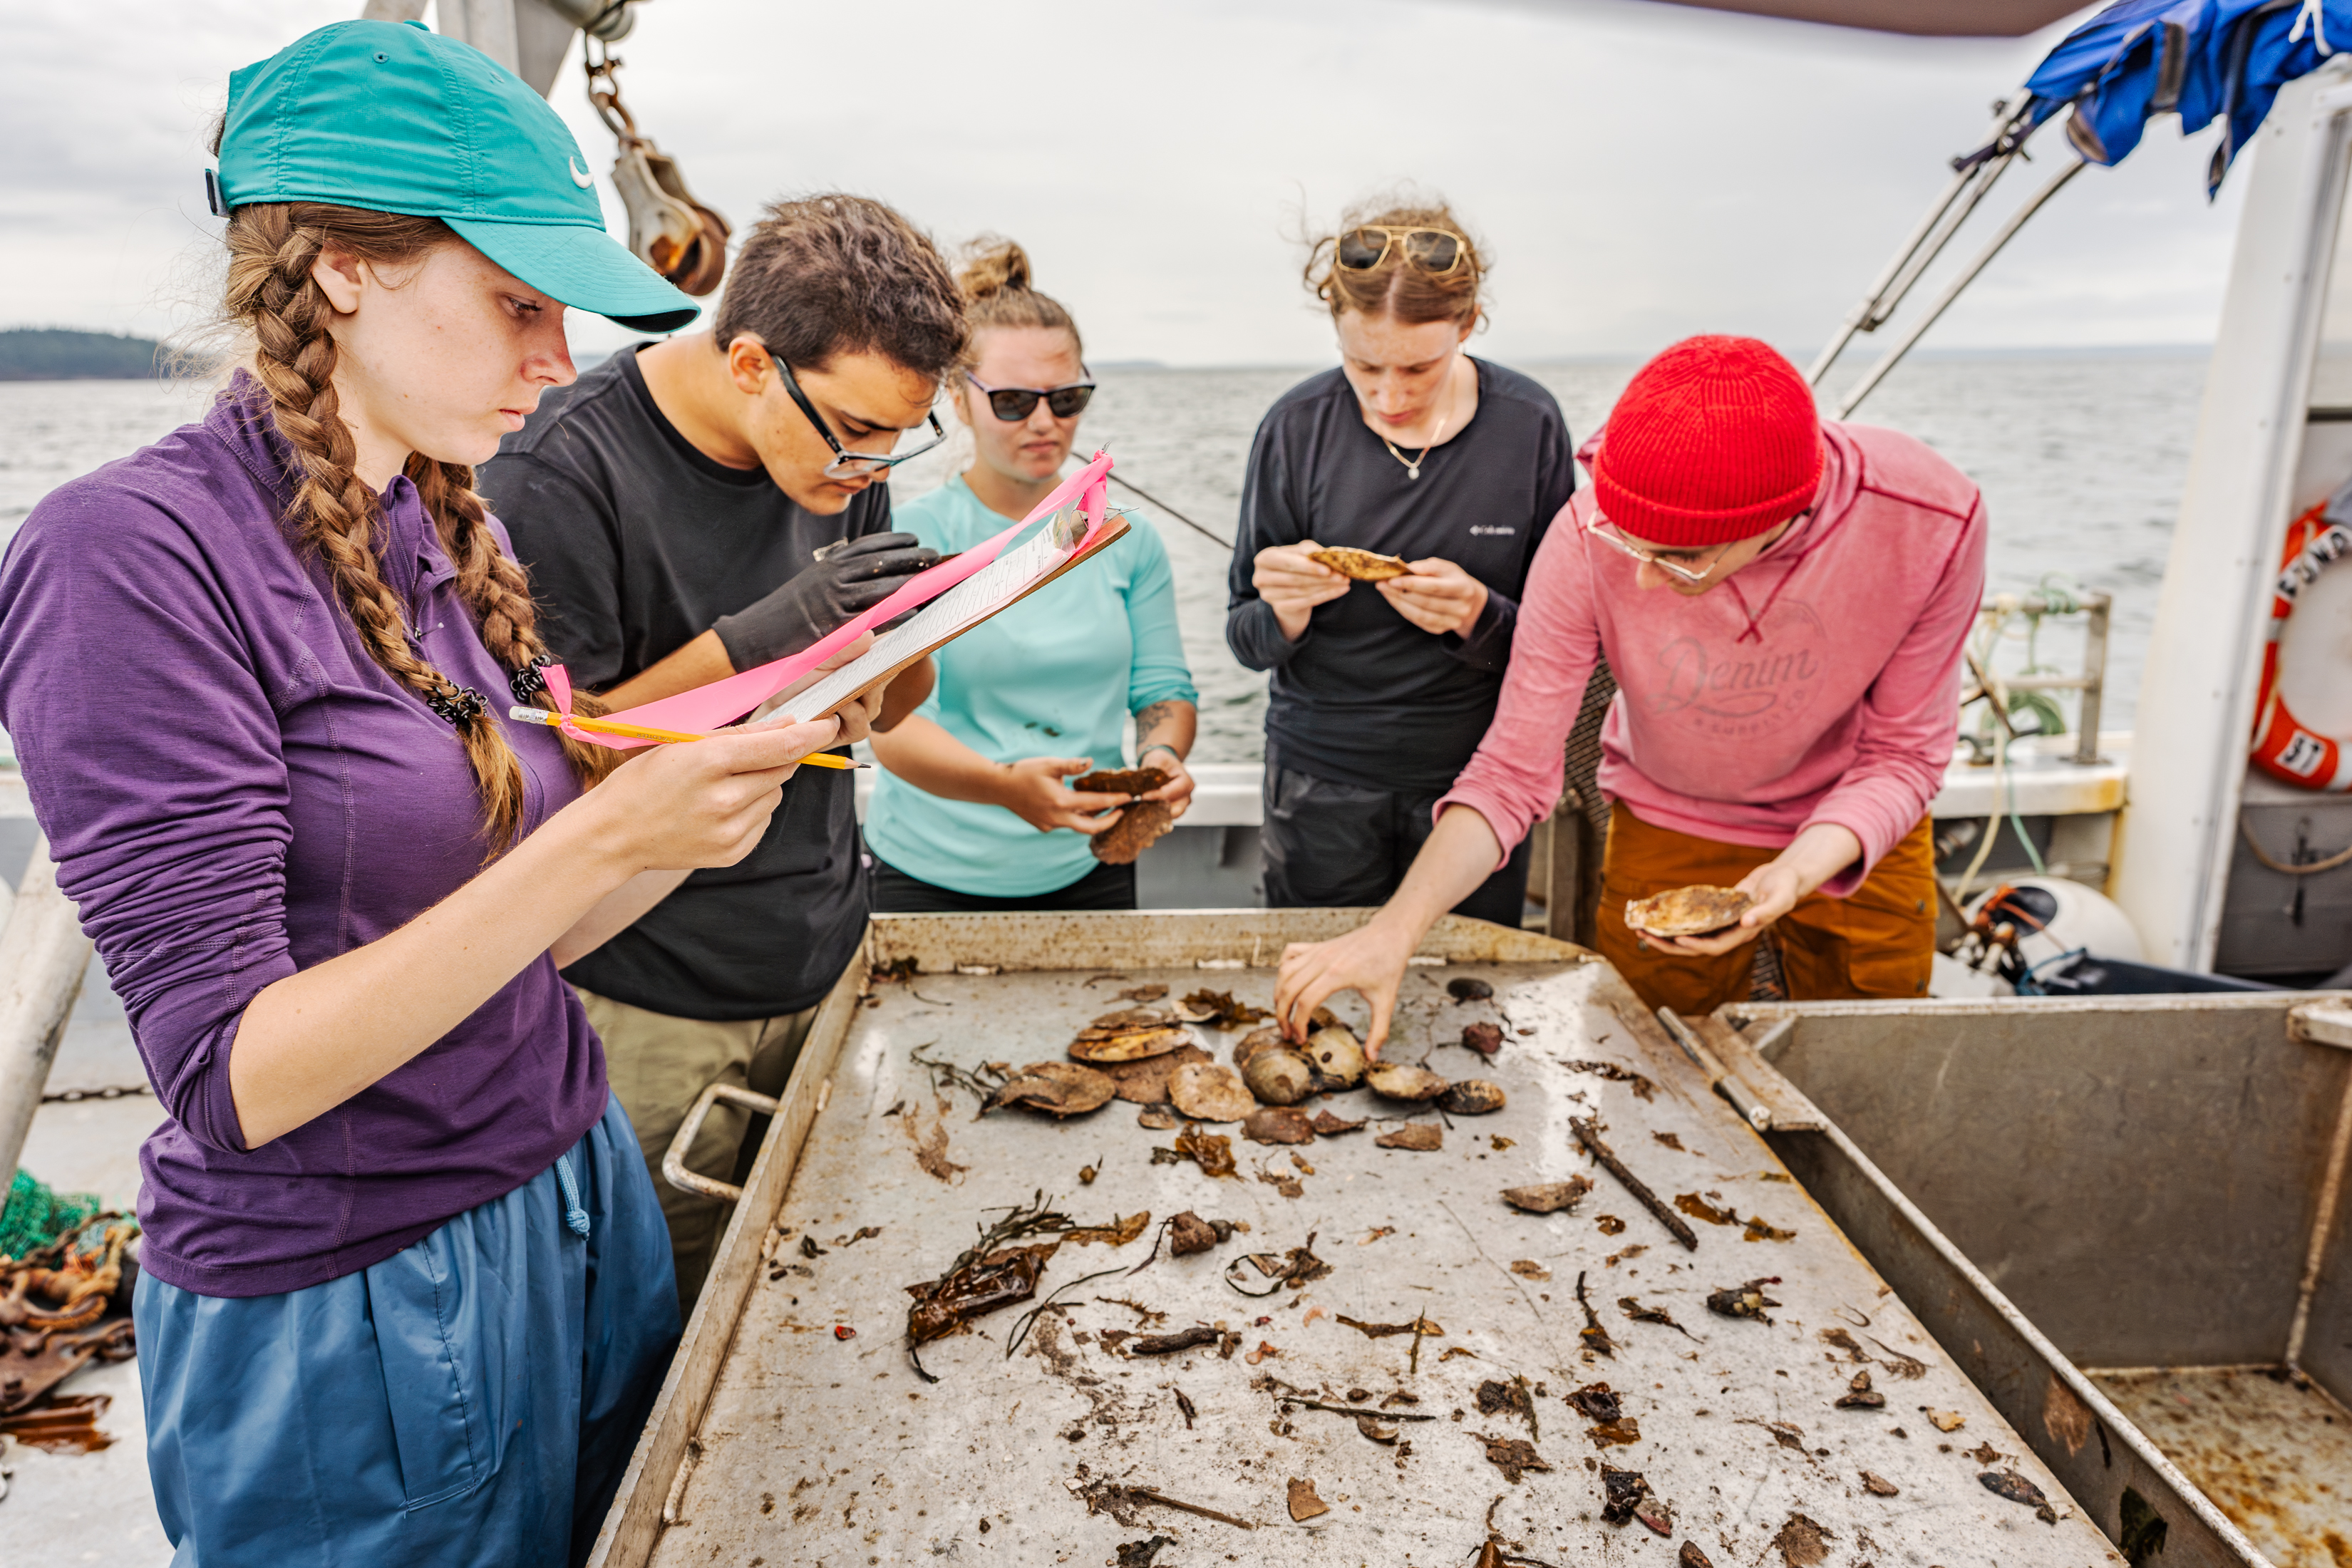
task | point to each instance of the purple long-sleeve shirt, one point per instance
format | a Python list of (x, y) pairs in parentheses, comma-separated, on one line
[(234, 791)]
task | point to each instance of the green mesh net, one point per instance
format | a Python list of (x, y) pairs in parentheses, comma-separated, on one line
[(37, 1214)]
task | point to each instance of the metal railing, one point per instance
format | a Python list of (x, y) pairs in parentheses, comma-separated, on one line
[(2091, 682)]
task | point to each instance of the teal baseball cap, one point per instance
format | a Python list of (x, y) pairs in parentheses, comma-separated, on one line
[(392, 117)]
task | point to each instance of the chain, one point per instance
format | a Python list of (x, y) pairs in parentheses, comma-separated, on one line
[(112, 1091)]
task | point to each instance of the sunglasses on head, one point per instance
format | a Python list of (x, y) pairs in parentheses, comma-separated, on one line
[(845, 464), (1013, 404), (1435, 250)]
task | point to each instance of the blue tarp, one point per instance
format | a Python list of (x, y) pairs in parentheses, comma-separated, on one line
[(2204, 59)]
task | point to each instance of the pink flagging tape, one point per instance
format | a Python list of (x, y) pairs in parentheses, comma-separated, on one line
[(724, 701)]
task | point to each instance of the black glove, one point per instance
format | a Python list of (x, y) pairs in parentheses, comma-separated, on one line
[(847, 580)]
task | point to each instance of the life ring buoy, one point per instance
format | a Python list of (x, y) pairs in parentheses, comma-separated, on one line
[(2311, 656)]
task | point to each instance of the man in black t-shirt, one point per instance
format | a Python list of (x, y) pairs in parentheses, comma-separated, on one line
[(698, 506)]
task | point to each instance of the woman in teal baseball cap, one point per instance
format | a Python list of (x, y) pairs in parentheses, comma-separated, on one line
[(405, 1292)]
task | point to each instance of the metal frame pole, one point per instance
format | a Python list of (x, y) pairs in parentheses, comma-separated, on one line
[(1918, 252), (43, 957), (1952, 290)]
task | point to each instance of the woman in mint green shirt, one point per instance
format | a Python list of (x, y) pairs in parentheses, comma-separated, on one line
[(972, 812)]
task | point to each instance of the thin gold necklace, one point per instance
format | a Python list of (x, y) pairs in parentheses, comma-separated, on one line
[(1412, 465)]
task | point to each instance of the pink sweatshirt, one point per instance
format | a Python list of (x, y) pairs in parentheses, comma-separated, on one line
[(1819, 684)]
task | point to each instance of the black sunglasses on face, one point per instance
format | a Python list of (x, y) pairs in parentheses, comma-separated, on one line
[(845, 464), (1013, 404)]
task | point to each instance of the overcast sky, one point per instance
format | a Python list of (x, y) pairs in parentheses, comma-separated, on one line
[(1640, 171)]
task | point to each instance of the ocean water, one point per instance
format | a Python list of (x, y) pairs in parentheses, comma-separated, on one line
[(2080, 457)]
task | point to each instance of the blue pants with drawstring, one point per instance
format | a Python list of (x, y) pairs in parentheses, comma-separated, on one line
[(471, 1400)]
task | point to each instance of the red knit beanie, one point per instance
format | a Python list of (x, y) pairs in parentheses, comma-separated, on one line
[(1715, 439)]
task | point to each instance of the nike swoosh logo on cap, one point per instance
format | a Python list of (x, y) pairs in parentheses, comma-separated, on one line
[(580, 177)]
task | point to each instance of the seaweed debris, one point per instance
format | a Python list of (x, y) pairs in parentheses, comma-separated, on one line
[(1626, 1495), (1295, 1268), (1513, 1456), (1588, 1133), (1640, 1314), (1548, 1197), (1595, 1337), (1642, 1087), (1213, 1151), (1497, 1397), (1801, 1542), (992, 1273), (1747, 1300), (1218, 1010), (1184, 1340), (2018, 1489), (1860, 1395), (1419, 1326)]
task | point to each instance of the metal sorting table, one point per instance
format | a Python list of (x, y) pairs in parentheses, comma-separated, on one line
[(778, 1440)]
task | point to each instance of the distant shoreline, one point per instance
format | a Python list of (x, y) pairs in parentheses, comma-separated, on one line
[(60, 353)]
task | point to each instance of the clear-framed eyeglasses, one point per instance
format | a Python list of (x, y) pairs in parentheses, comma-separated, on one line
[(1601, 527), (845, 464)]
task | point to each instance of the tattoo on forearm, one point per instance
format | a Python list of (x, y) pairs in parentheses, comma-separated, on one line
[(1150, 717)]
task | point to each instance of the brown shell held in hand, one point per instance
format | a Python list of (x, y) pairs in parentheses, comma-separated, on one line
[(1687, 912), (1139, 825), (1206, 1091), (1398, 1081), (1125, 781), (1363, 565)]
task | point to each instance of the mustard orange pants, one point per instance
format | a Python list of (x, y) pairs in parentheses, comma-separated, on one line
[(1878, 942)]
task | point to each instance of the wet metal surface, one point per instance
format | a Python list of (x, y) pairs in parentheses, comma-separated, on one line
[(2274, 1452), (818, 1448)]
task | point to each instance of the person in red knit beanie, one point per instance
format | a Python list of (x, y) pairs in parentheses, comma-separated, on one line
[(1784, 603)]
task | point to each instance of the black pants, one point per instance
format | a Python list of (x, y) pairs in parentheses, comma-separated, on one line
[(1103, 887), (1329, 845)]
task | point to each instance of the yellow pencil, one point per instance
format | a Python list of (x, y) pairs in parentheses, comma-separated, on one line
[(643, 733)]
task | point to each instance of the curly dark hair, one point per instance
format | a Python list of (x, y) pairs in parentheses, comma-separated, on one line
[(836, 274)]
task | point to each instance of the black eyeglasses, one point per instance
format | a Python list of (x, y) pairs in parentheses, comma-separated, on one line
[(1433, 250), (1013, 404), (845, 464)]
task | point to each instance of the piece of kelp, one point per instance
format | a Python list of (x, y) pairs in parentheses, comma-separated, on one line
[(991, 1274)]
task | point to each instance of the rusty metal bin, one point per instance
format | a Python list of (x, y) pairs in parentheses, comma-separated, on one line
[(2123, 1215)]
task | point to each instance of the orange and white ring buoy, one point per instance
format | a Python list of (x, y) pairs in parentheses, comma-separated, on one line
[(2311, 657)]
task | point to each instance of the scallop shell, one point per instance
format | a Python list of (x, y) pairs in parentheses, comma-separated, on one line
[(1062, 1088), (1277, 1124), (1471, 1097), (1280, 1078), (1687, 912), (1206, 1091), (1397, 1081), (1128, 1047), (1257, 1040), (1336, 1058), (1363, 565)]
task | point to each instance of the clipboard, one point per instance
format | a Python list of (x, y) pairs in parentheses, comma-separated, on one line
[(969, 603)]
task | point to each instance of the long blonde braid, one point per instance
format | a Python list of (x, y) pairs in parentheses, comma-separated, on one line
[(272, 249)]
